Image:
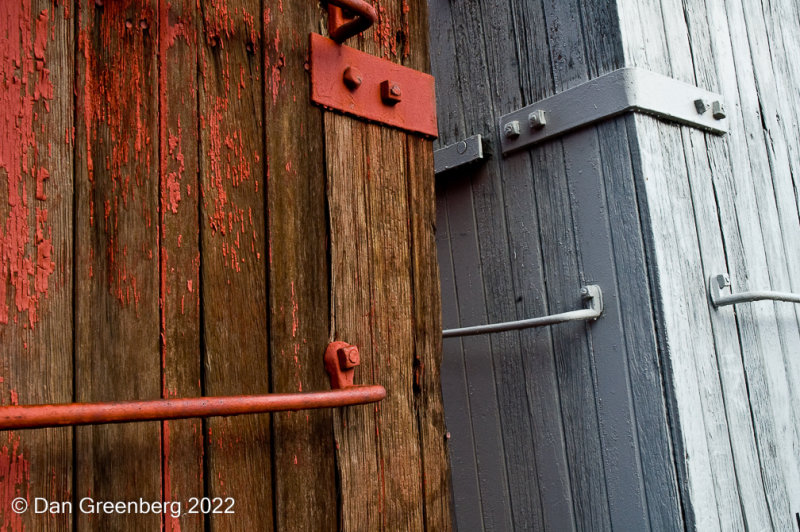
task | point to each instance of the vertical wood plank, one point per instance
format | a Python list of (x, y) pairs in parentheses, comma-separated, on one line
[(182, 440), (455, 384), (304, 462), (477, 354), (487, 87), (36, 257), (382, 325), (573, 355), (695, 50), (426, 296), (117, 255), (595, 48), (465, 490), (233, 258), (528, 227), (638, 324), (427, 336), (765, 327), (380, 459), (359, 476)]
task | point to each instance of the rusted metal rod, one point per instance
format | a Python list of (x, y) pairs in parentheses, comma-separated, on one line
[(341, 28), (40, 416)]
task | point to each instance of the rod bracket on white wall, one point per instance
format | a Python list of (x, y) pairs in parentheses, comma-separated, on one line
[(722, 281), (609, 95), (592, 299)]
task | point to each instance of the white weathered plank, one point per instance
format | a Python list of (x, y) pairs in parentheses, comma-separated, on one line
[(773, 322), (692, 60), (645, 46)]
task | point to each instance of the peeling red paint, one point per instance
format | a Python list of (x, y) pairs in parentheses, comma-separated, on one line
[(24, 82), (116, 111), (14, 480)]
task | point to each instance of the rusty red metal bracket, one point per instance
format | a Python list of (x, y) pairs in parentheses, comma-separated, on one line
[(341, 27), (372, 88), (342, 394)]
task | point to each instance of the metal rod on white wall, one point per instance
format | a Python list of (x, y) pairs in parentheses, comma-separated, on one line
[(591, 294), (717, 283)]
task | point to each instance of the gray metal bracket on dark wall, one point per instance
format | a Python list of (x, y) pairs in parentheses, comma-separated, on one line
[(719, 282), (609, 95), (466, 152), (593, 300)]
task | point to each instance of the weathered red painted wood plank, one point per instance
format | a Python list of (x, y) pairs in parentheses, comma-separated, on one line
[(360, 488), (234, 257), (304, 474), (182, 441), (36, 165), (386, 480), (427, 338), (117, 256), (427, 300)]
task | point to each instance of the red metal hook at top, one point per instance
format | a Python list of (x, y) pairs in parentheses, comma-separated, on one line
[(341, 28)]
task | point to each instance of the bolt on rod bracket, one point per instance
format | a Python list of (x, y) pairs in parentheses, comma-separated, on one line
[(718, 283), (340, 362), (593, 300)]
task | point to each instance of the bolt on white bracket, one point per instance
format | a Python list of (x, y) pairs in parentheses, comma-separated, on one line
[(621, 91)]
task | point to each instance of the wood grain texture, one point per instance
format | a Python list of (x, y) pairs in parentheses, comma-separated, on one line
[(161, 190), (234, 257), (182, 441), (622, 451), (427, 338), (699, 152), (388, 455), (373, 204), (304, 464), (36, 254), (426, 298), (480, 494), (541, 226), (117, 255), (465, 490), (741, 190), (355, 429)]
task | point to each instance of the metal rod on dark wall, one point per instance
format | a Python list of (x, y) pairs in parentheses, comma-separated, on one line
[(591, 294)]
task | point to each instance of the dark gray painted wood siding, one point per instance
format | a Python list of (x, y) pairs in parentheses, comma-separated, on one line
[(665, 413), (562, 428)]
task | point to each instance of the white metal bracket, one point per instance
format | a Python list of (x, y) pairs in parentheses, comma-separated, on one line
[(621, 91), (718, 283)]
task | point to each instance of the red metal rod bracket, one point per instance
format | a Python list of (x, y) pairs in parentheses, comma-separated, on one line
[(342, 394), (340, 27)]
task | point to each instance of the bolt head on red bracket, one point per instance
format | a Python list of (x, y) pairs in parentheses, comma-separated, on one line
[(341, 359)]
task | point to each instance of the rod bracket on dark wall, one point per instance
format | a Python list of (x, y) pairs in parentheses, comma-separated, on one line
[(609, 95), (722, 281), (463, 153), (592, 299)]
